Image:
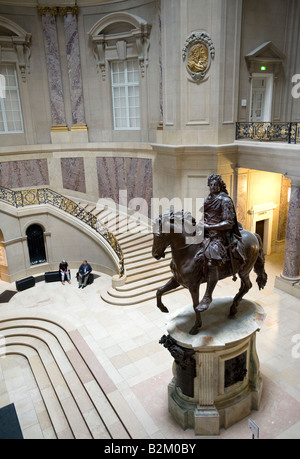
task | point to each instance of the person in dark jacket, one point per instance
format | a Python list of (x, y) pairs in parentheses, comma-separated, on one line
[(83, 274), (64, 272)]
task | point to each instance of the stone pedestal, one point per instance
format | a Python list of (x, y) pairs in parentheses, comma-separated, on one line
[(216, 373)]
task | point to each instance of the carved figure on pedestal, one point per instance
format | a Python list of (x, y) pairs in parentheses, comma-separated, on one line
[(226, 250)]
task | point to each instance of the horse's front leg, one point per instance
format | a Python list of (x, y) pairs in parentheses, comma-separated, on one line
[(212, 280), (172, 284), (194, 291)]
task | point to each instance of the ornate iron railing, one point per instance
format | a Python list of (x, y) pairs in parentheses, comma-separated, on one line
[(41, 196), (273, 132)]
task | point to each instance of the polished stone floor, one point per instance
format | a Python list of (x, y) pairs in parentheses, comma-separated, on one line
[(135, 369)]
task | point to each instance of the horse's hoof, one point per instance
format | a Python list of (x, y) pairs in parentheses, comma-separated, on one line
[(231, 316), (195, 330), (163, 309), (202, 307)]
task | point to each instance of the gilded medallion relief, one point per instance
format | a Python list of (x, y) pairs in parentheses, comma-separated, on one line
[(197, 54)]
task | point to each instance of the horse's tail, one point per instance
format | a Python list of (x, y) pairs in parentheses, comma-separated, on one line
[(259, 267)]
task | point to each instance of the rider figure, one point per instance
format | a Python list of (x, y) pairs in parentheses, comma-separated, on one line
[(222, 238)]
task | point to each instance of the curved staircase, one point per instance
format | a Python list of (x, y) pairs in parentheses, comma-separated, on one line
[(144, 274)]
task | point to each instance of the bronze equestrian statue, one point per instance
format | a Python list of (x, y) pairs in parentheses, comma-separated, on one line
[(226, 250)]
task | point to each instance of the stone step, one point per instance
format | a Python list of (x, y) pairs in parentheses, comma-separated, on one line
[(105, 215), (62, 376), (74, 375), (147, 251), (138, 291), (105, 295), (131, 286), (146, 262), (132, 250), (134, 239), (144, 255), (146, 275), (149, 269), (131, 300), (54, 409)]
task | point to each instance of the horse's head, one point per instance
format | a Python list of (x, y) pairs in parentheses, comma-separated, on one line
[(168, 227)]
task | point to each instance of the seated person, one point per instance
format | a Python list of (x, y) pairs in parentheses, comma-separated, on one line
[(64, 272), (83, 274)]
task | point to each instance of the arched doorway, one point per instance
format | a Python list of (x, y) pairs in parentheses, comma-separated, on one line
[(36, 244)]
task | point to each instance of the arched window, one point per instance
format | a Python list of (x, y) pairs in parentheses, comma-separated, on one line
[(119, 36), (36, 244)]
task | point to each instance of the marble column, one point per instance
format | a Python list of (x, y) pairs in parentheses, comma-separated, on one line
[(292, 242), (53, 68), (161, 109), (74, 67)]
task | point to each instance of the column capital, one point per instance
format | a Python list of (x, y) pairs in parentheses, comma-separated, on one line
[(43, 10), (58, 10), (65, 10)]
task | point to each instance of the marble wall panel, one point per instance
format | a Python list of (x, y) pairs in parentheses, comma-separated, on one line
[(73, 174), (284, 208), (74, 69), (242, 199), (131, 174), (21, 174), (54, 69)]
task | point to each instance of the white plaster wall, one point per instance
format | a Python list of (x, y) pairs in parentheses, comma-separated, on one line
[(65, 238)]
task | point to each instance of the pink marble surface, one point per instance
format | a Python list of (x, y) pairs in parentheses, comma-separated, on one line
[(21, 174), (73, 174), (131, 174), (74, 68), (53, 69)]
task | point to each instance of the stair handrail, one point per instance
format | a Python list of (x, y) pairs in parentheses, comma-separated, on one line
[(40, 196)]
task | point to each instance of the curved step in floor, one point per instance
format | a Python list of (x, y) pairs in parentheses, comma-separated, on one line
[(111, 296), (129, 287), (76, 403), (138, 291)]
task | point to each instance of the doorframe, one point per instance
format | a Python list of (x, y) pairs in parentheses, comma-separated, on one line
[(264, 212), (267, 118)]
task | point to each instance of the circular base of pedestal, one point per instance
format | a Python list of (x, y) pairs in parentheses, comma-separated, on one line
[(218, 329), (227, 383)]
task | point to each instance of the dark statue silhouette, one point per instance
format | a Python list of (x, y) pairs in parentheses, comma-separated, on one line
[(226, 250)]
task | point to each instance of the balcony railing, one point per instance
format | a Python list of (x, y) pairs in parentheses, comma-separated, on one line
[(39, 196), (272, 132)]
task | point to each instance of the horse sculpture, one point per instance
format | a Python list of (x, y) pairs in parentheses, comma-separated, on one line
[(190, 273)]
